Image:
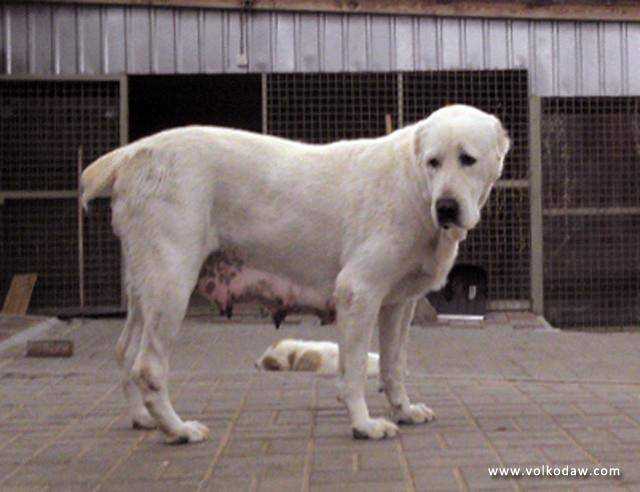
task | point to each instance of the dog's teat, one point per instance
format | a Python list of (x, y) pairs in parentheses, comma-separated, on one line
[(278, 317)]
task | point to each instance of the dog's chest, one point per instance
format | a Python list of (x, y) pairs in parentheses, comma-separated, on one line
[(442, 255), (226, 279), (430, 270)]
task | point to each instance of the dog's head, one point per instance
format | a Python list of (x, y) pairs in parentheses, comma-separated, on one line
[(458, 152)]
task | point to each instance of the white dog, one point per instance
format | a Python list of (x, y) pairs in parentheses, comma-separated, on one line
[(361, 228), (308, 355)]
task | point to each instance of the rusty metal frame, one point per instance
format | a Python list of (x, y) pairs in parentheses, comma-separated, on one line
[(535, 195), (589, 10)]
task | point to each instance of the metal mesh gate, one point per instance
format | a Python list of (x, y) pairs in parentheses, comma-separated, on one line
[(329, 106), (42, 124), (591, 210), (324, 107)]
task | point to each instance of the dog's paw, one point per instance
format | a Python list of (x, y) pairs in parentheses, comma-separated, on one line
[(417, 413), (375, 429), (192, 431), (142, 420)]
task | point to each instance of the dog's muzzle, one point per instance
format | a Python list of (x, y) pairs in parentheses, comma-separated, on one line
[(447, 212)]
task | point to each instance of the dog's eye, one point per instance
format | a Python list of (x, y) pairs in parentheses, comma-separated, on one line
[(434, 162), (467, 160)]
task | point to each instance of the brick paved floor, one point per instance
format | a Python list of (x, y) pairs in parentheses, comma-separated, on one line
[(503, 395)]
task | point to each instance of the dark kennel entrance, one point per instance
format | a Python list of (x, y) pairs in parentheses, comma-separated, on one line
[(159, 102)]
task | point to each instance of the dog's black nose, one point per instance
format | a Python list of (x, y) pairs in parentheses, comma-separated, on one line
[(447, 210)]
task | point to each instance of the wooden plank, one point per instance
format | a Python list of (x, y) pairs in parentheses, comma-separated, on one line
[(388, 123), (37, 195), (49, 348), (579, 211), (19, 295), (512, 183), (589, 10)]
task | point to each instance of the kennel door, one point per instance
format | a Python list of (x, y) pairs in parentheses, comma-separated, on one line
[(43, 122)]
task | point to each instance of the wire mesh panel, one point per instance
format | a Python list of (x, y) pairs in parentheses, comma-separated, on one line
[(591, 210), (42, 125), (40, 236), (102, 271), (43, 122), (324, 107), (501, 243)]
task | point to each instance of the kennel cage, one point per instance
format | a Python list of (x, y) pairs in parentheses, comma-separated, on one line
[(43, 123), (591, 211), (587, 151)]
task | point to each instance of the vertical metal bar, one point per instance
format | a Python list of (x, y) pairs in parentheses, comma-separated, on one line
[(124, 110), (80, 232), (535, 196), (124, 139), (400, 101), (265, 125)]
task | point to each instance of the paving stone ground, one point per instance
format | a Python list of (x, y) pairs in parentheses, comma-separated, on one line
[(505, 394)]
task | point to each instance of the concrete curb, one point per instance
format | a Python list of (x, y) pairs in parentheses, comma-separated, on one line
[(28, 334)]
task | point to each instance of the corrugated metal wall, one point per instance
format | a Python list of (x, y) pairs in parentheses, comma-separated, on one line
[(563, 58)]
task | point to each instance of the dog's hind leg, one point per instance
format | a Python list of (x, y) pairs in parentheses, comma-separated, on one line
[(159, 212), (127, 349), (164, 282), (394, 323)]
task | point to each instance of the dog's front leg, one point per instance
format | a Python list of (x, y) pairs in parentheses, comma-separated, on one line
[(394, 322), (357, 309)]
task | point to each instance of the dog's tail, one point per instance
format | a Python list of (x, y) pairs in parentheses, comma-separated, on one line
[(98, 178)]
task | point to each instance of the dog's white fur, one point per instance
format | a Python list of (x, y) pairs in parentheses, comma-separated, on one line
[(308, 355), (354, 221)]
